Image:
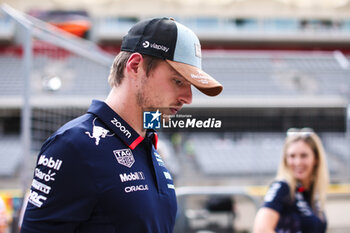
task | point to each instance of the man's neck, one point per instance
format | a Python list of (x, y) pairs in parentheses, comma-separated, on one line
[(125, 105)]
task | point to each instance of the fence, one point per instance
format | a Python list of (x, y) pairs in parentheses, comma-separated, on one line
[(58, 75)]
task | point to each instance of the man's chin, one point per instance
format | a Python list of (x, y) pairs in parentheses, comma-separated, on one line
[(167, 114)]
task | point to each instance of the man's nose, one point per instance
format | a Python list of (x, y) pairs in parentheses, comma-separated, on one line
[(186, 95)]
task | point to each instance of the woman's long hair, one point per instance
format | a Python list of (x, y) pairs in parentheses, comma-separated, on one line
[(320, 177)]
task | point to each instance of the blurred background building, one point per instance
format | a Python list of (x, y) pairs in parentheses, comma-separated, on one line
[(283, 64)]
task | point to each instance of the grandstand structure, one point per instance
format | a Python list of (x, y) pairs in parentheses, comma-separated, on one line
[(265, 91), (43, 71), (279, 68)]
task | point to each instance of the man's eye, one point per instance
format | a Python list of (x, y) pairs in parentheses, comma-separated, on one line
[(178, 82)]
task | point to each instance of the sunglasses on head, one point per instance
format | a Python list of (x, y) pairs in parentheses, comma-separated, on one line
[(305, 132)]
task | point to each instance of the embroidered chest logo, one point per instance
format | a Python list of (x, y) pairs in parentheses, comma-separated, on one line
[(124, 157), (159, 159), (98, 132)]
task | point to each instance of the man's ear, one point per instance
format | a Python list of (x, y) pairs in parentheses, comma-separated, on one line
[(134, 63)]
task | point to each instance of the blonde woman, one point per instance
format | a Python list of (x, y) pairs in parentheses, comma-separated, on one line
[(295, 202)]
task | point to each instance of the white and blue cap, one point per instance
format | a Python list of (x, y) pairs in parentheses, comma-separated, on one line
[(175, 43)]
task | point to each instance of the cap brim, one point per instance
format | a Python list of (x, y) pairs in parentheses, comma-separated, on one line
[(201, 80)]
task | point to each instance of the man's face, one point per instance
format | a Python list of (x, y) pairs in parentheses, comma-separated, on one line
[(164, 89)]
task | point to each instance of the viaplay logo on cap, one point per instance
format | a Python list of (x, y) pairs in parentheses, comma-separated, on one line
[(147, 44)]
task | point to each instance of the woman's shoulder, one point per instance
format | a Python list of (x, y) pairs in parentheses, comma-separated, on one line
[(280, 184), (278, 188)]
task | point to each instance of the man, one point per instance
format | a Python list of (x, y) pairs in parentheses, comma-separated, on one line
[(101, 173)]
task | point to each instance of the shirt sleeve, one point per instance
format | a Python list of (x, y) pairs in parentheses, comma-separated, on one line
[(278, 196), (62, 192)]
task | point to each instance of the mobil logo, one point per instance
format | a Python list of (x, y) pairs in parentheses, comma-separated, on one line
[(49, 162)]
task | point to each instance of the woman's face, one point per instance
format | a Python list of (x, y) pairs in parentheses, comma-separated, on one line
[(301, 161)]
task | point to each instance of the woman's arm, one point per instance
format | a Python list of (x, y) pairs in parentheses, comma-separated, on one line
[(266, 220)]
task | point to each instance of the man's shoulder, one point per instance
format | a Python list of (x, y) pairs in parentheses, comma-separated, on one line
[(72, 131), (86, 133), (76, 124)]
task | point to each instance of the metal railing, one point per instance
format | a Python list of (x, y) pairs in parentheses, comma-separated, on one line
[(183, 193)]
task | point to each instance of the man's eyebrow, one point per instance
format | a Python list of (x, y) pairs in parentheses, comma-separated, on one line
[(175, 73)]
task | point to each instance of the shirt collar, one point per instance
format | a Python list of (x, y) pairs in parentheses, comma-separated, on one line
[(151, 133), (122, 129)]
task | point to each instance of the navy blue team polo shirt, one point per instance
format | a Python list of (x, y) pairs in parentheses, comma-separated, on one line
[(97, 175), (296, 216)]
